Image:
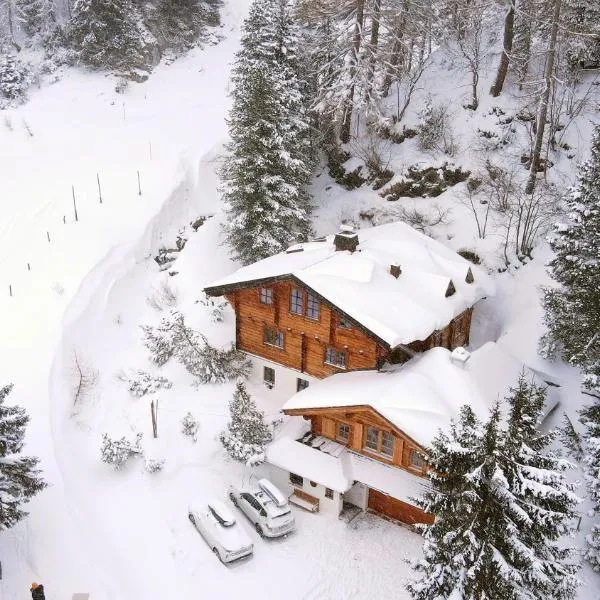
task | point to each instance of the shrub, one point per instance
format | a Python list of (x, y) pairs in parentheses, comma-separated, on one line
[(470, 256), (118, 452), (142, 383), (189, 426)]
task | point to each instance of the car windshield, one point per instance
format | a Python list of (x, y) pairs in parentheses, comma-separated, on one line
[(226, 520)]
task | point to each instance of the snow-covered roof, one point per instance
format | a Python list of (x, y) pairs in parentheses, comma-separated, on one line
[(425, 393), (396, 310)]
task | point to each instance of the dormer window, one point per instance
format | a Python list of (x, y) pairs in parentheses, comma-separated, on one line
[(451, 290), (266, 295), (469, 278)]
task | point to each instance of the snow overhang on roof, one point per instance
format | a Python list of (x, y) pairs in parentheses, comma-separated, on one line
[(394, 309), (424, 394)]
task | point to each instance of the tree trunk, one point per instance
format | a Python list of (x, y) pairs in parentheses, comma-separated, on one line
[(11, 25), (509, 28), (373, 46), (395, 58), (349, 104), (543, 106)]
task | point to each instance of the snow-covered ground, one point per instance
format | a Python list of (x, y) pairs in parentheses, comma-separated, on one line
[(123, 535)]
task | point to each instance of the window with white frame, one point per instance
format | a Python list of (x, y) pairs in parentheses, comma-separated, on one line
[(272, 337), (312, 307), (335, 358), (297, 301), (329, 493), (266, 295)]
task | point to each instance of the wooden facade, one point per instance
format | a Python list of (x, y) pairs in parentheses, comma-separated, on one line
[(349, 426), (322, 340), (406, 454)]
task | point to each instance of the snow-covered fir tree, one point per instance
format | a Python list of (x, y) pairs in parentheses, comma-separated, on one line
[(582, 32), (20, 479), (590, 417), (572, 309), (174, 338), (501, 504), (36, 16), (247, 433), (182, 22), (14, 78), (267, 168), (111, 34)]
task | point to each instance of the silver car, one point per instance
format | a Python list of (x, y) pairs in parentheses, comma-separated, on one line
[(266, 507), (225, 537)]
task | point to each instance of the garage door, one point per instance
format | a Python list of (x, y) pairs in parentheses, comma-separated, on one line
[(396, 509)]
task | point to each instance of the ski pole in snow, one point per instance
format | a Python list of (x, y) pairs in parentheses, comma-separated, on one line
[(139, 185), (99, 189)]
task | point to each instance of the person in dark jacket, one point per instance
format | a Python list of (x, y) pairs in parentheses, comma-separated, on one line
[(37, 591)]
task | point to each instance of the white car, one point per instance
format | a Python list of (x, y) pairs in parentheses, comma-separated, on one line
[(266, 507), (217, 525)]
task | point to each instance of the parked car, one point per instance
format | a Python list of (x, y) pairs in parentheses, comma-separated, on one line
[(217, 525), (266, 507)]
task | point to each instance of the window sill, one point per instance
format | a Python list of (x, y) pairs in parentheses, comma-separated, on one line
[(273, 346), (379, 455), (334, 365)]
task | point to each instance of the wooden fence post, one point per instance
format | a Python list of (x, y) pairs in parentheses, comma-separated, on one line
[(99, 188), (74, 204), (153, 410)]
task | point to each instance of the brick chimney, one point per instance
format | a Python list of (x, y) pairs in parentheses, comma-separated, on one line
[(346, 239), (395, 270)]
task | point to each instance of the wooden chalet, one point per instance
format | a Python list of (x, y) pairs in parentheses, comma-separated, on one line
[(352, 301), (356, 441)]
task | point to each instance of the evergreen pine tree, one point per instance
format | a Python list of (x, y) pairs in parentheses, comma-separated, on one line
[(36, 16), (14, 78), (19, 478), (182, 22), (590, 417), (111, 34), (501, 504), (267, 168), (573, 309), (247, 433), (581, 20), (541, 504)]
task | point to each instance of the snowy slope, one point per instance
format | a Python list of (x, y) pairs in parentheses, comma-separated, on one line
[(126, 535)]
